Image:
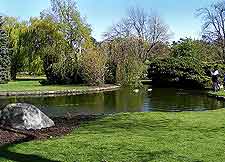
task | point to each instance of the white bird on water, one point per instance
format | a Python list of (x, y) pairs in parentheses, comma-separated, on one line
[(150, 90), (136, 90)]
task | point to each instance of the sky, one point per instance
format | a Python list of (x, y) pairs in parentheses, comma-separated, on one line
[(179, 15)]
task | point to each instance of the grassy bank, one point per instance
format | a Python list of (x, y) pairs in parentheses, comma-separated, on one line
[(29, 77), (217, 94), (137, 137), (34, 85)]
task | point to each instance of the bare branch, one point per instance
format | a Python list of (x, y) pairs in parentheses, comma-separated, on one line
[(214, 24), (145, 28)]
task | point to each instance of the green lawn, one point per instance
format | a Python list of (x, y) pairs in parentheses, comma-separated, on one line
[(34, 85), (30, 77), (137, 137), (220, 93)]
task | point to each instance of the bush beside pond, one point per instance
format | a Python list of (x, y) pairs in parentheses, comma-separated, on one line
[(182, 72), (188, 65)]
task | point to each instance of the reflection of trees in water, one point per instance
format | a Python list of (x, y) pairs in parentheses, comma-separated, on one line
[(172, 99), (6, 100), (127, 101), (77, 104), (123, 100), (118, 101), (61, 105)]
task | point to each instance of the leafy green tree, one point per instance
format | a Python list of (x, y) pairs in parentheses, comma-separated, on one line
[(15, 31), (199, 49), (40, 34), (60, 65), (65, 65), (28, 42), (207, 52), (76, 31), (4, 55), (186, 67)]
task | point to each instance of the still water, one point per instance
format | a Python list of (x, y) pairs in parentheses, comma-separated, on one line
[(123, 100)]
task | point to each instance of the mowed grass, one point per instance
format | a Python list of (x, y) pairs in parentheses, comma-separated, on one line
[(136, 137), (34, 85), (220, 93)]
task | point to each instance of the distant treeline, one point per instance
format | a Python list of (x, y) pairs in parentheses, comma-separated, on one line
[(59, 45)]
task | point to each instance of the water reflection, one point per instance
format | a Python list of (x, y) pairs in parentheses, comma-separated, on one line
[(123, 100), (182, 100)]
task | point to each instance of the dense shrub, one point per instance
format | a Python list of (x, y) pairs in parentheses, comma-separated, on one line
[(124, 65), (186, 67), (110, 73), (93, 67), (182, 72), (130, 71), (126, 73), (61, 66)]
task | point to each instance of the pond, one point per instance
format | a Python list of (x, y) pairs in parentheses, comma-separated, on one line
[(123, 100)]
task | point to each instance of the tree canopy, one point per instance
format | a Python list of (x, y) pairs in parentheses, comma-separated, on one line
[(59, 44)]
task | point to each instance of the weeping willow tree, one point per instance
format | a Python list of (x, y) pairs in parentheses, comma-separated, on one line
[(4, 55)]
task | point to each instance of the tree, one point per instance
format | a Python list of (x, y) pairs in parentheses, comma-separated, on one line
[(40, 34), (124, 65), (146, 28), (49, 52), (76, 31), (160, 50), (93, 66), (214, 24), (60, 65), (187, 65), (15, 31), (4, 55)]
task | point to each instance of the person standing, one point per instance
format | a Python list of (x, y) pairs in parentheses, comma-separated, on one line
[(215, 79)]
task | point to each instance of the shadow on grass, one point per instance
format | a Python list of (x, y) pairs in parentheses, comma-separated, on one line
[(18, 157)]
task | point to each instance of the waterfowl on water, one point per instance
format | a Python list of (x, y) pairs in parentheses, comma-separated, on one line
[(136, 90), (150, 90)]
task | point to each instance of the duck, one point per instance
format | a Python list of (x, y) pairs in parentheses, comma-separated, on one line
[(136, 90), (149, 90)]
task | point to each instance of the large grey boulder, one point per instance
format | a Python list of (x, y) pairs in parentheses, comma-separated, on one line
[(25, 117)]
